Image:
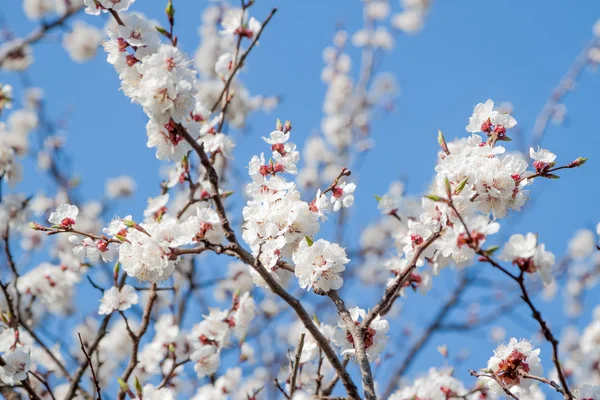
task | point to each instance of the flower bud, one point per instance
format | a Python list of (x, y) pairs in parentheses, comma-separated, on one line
[(442, 142), (309, 240), (461, 186), (35, 226), (138, 387), (434, 197), (578, 162)]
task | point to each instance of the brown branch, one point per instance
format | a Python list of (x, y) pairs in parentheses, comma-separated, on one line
[(89, 360), (32, 394), (433, 327), (37, 339), (43, 382), (13, 267), (564, 86), (137, 338), (296, 365), (331, 385), (493, 376), (241, 62), (235, 250), (546, 381), (391, 292), (535, 312), (502, 310), (547, 332), (41, 31), (84, 364), (358, 333), (54, 231), (171, 373), (280, 388)]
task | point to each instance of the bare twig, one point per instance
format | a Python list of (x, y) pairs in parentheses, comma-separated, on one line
[(40, 32), (296, 365), (546, 381), (241, 61), (391, 292), (426, 335), (89, 360), (564, 86), (84, 364), (493, 376), (136, 338)]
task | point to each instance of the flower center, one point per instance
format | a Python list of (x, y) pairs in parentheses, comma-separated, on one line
[(511, 368), (67, 222)]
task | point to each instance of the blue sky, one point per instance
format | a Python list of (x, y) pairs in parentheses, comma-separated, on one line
[(468, 52)]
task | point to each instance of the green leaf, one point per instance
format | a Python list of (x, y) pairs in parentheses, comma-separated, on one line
[(123, 385), (461, 186), (434, 197), (442, 142), (163, 32), (170, 10), (448, 187), (138, 386), (309, 240), (491, 250)]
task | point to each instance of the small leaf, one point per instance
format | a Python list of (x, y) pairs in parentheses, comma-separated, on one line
[(163, 32), (461, 186), (448, 187), (434, 197), (491, 250), (442, 142), (170, 10), (309, 241), (578, 162), (129, 223), (227, 194), (123, 385), (138, 387)]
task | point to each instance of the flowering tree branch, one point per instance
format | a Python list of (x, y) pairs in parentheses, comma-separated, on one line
[(435, 325), (41, 31), (137, 338), (278, 240), (493, 376), (391, 292), (89, 360), (239, 63)]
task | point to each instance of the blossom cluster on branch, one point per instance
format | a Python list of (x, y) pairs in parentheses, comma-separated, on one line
[(168, 320)]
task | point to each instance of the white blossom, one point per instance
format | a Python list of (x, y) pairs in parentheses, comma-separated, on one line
[(65, 216), (318, 265), (509, 362), (375, 338), (119, 299), (16, 366)]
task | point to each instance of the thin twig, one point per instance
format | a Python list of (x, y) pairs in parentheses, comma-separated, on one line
[(89, 360), (493, 376), (427, 335), (241, 61), (40, 32), (296, 365)]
